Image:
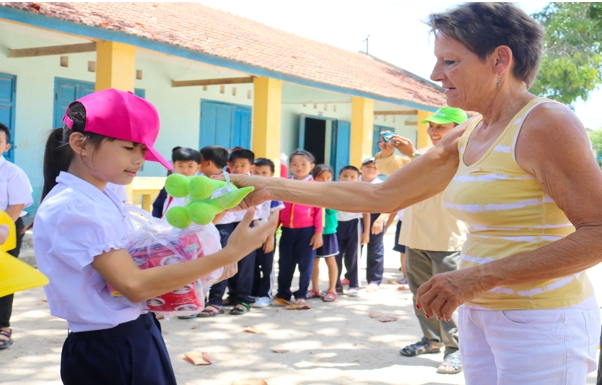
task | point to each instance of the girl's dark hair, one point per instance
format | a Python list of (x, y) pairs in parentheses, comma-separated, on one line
[(316, 171), (58, 154), (304, 153)]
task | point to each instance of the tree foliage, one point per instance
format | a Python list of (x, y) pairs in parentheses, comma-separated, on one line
[(596, 138), (571, 66)]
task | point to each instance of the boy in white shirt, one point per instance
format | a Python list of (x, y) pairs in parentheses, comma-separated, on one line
[(263, 279), (15, 195), (186, 162), (376, 249)]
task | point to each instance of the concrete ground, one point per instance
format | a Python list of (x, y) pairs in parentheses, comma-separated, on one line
[(333, 343)]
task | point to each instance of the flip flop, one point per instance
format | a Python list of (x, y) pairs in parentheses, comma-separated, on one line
[(206, 313), (421, 347), (330, 297), (453, 361), (4, 344)]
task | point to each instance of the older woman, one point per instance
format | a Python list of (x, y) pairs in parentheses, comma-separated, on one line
[(523, 177)]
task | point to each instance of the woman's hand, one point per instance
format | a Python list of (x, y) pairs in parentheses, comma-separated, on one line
[(403, 145), (443, 293), (258, 196), (316, 241)]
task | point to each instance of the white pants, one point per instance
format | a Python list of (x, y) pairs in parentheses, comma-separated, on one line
[(529, 347)]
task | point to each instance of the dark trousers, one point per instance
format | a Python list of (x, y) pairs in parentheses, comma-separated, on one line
[(132, 353), (348, 236), (263, 275), (294, 249), (376, 254), (241, 283), (6, 303)]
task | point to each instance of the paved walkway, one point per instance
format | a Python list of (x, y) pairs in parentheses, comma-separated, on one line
[(330, 344)]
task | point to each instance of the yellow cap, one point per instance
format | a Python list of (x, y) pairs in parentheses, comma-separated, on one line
[(15, 275)]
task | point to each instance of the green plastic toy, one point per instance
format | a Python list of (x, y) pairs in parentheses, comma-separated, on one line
[(207, 198)]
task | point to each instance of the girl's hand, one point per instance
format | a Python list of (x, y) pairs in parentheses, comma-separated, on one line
[(258, 196), (245, 239), (316, 241), (378, 226), (365, 237), (4, 231), (268, 245)]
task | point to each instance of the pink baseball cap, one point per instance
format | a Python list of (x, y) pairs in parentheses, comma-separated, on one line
[(122, 115)]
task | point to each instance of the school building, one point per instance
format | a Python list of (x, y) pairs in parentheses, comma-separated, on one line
[(215, 78)]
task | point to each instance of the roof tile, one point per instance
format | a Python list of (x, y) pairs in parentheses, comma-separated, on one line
[(215, 32)]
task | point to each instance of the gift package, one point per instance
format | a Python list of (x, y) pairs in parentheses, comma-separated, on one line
[(154, 243)]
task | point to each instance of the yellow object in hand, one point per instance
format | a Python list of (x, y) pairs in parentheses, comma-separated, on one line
[(15, 275)]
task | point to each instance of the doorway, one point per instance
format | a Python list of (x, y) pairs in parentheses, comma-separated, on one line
[(328, 139)]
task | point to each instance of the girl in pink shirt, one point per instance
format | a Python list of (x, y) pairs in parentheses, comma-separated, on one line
[(301, 235)]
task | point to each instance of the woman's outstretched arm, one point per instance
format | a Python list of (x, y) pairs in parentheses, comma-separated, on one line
[(421, 179)]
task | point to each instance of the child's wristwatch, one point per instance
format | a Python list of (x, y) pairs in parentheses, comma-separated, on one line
[(416, 155)]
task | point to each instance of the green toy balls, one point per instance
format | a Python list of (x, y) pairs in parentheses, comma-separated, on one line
[(201, 206), (178, 217), (176, 185)]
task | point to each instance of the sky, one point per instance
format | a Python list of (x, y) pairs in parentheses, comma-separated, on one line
[(397, 33)]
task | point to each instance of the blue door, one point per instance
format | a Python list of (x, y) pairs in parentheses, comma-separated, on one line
[(7, 109), (341, 146), (224, 124), (68, 90)]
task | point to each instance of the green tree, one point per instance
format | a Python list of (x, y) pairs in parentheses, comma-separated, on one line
[(572, 63), (596, 138)]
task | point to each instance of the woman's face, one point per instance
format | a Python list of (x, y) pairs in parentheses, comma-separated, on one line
[(466, 79)]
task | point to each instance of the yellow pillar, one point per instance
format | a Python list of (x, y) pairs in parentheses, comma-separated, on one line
[(424, 140), (362, 129), (115, 66), (267, 105)]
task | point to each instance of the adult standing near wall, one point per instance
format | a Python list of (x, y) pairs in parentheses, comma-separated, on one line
[(523, 177), (433, 239)]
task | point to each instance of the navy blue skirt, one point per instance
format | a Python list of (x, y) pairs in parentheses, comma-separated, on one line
[(330, 247), (398, 246), (132, 353)]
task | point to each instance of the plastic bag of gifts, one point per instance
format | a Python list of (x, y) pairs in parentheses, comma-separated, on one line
[(155, 243)]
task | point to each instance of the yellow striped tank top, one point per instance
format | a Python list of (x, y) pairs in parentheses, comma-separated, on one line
[(508, 213)]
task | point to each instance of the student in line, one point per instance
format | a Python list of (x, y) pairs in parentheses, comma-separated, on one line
[(79, 238)]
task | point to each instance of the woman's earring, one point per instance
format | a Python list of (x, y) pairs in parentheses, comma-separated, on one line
[(499, 77)]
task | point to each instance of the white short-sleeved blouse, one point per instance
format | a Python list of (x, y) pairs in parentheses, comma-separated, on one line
[(75, 223), (15, 188)]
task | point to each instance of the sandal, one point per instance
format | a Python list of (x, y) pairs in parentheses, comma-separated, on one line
[(240, 308), (373, 288), (300, 302), (313, 294), (207, 312), (452, 364), (4, 344), (421, 347), (330, 297)]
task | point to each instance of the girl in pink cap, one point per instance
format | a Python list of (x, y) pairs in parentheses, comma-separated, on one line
[(79, 240)]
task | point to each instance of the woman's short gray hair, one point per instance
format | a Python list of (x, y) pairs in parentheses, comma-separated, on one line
[(482, 27)]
